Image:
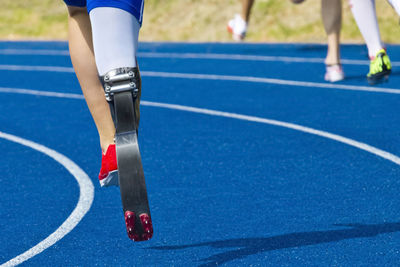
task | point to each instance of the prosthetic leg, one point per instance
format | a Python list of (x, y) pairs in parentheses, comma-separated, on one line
[(122, 89)]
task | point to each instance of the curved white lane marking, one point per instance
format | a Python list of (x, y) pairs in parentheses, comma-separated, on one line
[(351, 142), (297, 127), (86, 195), (236, 57), (220, 78)]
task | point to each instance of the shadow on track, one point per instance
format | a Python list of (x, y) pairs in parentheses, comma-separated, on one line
[(363, 78), (251, 246)]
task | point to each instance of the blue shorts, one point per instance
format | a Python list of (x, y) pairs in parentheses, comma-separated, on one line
[(135, 7)]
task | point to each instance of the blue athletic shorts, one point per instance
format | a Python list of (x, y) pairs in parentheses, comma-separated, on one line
[(135, 7)]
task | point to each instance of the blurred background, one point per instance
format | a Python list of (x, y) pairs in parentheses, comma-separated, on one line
[(199, 21)]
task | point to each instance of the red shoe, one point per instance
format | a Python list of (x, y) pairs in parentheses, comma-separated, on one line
[(108, 175)]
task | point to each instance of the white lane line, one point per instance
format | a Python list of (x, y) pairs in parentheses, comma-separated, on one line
[(36, 68), (239, 57), (39, 93), (217, 56), (363, 146), (253, 58), (86, 196), (268, 81), (221, 78), (34, 52)]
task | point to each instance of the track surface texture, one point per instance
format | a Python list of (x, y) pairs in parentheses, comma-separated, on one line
[(250, 159)]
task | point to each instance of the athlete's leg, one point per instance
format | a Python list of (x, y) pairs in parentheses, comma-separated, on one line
[(246, 9), (116, 43), (81, 51), (238, 25), (365, 15), (331, 11), (115, 27)]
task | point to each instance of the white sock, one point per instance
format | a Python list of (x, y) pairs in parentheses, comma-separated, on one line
[(396, 5), (365, 15), (115, 38)]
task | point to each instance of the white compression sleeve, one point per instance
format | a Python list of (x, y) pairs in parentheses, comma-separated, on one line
[(396, 5), (365, 15), (115, 38)]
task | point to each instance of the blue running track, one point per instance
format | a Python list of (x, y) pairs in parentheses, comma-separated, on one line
[(250, 158)]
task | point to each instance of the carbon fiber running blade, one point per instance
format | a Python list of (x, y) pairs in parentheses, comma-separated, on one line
[(130, 171)]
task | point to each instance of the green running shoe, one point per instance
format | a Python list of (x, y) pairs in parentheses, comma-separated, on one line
[(379, 68)]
